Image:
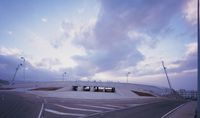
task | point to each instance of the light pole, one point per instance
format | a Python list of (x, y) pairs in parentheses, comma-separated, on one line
[(198, 35), (23, 66), (13, 79), (64, 75), (165, 69), (127, 76)]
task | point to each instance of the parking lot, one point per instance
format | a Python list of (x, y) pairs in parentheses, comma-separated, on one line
[(26, 105)]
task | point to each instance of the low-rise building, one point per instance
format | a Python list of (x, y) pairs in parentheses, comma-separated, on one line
[(188, 94)]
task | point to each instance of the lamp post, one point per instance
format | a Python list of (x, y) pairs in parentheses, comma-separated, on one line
[(127, 76), (64, 75), (13, 79), (165, 70), (198, 30), (23, 66)]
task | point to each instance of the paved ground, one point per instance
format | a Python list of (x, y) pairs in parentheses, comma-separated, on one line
[(186, 111), (19, 105), (154, 110), (13, 105)]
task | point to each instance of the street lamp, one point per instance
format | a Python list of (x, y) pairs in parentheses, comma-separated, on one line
[(13, 79), (165, 70), (23, 66), (64, 75), (127, 76)]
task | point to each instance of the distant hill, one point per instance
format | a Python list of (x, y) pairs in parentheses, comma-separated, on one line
[(3, 82)]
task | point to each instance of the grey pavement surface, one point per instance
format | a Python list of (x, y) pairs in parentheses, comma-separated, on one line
[(186, 111), (154, 110), (18, 106), (21, 105)]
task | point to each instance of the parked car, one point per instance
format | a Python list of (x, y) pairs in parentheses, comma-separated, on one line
[(98, 89), (110, 89), (86, 88), (75, 88)]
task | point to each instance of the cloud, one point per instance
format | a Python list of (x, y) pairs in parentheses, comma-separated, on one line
[(184, 64), (49, 63), (44, 19), (149, 16), (111, 43), (81, 10), (191, 48), (9, 51), (10, 32), (40, 49), (179, 80), (8, 64), (190, 11), (189, 62), (68, 30), (182, 72)]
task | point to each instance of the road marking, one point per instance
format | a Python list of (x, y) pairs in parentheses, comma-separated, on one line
[(79, 109), (170, 112), (45, 101), (94, 106), (39, 116), (134, 105), (62, 113), (108, 105)]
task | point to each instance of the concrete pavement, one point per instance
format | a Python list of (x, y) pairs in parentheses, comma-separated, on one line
[(23, 105), (13, 105), (154, 110), (186, 111)]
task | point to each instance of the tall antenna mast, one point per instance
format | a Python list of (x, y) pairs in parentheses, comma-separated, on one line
[(127, 76), (13, 79), (165, 69)]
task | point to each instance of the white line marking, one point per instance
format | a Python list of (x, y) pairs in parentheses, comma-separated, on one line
[(114, 106), (165, 116), (79, 109), (97, 106), (134, 105), (39, 116), (62, 113)]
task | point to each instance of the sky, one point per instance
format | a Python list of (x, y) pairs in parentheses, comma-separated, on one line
[(100, 40)]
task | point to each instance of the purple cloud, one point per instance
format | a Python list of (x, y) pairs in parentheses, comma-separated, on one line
[(108, 45), (189, 62), (8, 66)]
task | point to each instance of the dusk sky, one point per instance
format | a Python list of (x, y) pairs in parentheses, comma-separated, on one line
[(100, 40)]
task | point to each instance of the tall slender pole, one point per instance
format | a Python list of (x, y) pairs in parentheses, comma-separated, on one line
[(64, 74), (23, 66), (127, 76), (165, 69), (13, 79), (198, 35)]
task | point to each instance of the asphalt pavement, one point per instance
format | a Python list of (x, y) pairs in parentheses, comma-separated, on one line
[(22, 105), (16, 105), (153, 110)]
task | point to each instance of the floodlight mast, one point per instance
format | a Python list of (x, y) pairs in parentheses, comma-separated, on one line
[(64, 74), (127, 76), (13, 79), (165, 69), (23, 66)]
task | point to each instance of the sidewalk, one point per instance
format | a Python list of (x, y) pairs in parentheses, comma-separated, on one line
[(186, 111)]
